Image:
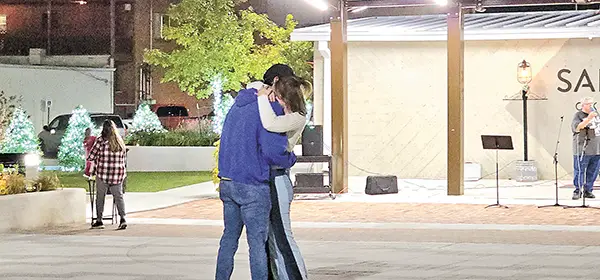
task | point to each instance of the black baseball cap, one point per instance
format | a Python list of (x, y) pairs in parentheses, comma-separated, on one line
[(277, 70)]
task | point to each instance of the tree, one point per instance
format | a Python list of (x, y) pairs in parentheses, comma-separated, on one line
[(20, 135), (222, 102), (146, 121), (215, 42), (7, 107), (71, 153)]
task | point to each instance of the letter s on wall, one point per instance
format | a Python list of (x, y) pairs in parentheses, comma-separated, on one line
[(569, 85)]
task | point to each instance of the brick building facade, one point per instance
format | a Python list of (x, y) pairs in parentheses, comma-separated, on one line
[(83, 28)]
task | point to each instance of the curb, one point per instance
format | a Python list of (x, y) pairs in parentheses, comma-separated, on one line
[(353, 225)]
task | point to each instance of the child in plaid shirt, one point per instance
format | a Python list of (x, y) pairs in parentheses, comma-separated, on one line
[(108, 157)]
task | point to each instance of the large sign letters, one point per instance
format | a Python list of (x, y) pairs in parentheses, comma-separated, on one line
[(583, 81)]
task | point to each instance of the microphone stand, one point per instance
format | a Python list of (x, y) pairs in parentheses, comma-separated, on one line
[(583, 178), (556, 166)]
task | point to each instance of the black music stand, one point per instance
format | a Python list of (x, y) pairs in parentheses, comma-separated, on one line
[(497, 142)]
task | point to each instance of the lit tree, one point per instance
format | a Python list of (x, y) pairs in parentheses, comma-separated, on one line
[(8, 103), (20, 135), (222, 102), (146, 121), (71, 153)]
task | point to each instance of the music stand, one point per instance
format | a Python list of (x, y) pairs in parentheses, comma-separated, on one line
[(497, 142)]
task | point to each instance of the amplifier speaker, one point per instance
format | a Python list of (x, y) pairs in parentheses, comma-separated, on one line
[(381, 185), (312, 140), (310, 183)]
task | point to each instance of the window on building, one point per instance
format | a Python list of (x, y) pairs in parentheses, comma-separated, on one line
[(3, 26), (159, 23)]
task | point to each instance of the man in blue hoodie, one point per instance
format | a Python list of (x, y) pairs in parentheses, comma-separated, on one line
[(246, 152)]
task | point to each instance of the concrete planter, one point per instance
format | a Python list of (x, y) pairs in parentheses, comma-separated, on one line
[(170, 159), (29, 211)]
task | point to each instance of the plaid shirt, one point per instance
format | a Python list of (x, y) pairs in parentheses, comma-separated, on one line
[(108, 166)]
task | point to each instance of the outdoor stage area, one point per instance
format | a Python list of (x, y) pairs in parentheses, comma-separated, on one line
[(483, 191)]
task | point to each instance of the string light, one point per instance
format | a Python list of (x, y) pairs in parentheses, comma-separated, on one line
[(20, 135), (145, 120), (71, 153)]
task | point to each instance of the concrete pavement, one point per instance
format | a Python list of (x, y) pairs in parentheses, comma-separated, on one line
[(178, 252)]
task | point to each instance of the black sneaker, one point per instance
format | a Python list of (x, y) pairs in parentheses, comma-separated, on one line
[(122, 224), (588, 195), (576, 195), (98, 225)]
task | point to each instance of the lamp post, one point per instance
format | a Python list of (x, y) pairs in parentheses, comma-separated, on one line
[(524, 77), (48, 25)]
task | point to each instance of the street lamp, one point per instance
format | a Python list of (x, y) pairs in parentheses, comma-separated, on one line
[(524, 77), (524, 73)]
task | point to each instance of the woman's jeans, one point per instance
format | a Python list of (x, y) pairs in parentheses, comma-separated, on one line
[(244, 205), (285, 260), (117, 193)]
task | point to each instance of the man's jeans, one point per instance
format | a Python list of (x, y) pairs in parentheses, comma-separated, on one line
[(247, 205), (587, 165)]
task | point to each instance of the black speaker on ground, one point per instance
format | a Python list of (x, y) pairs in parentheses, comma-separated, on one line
[(310, 183), (312, 140), (381, 185)]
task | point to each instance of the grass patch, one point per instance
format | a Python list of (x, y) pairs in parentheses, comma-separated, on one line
[(141, 181)]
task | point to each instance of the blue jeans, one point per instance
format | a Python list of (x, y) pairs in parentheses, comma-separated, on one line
[(588, 167), (247, 205), (286, 260)]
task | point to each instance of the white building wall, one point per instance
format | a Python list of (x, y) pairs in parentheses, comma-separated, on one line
[(398, 103), (67, 87)]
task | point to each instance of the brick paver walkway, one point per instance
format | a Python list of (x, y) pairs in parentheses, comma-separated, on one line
[(331, 211)]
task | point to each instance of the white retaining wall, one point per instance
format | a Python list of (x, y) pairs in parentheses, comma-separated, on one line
[(152, 158), (30, 211)]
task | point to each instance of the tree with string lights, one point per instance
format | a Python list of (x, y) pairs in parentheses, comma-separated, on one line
[(71, 153)]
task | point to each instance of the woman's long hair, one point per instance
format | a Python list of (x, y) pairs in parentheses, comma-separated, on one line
[(109, 132), (294, 91)]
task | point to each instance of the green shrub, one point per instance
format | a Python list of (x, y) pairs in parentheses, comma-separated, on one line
[(15, 183), (47, 182), (199, 134)]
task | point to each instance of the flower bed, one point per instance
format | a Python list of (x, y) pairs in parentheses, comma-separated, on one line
[(199, 134)]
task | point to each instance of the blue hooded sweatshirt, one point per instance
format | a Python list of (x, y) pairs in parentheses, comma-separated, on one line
[(247, 150)]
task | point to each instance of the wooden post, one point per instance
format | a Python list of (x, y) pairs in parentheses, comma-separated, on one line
[(339, 100), (455, 101)]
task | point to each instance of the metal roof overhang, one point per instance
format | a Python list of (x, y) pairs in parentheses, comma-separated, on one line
[(480, 26), (464, 3)]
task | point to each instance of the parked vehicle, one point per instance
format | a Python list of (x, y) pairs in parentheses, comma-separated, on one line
[(128, 123), (51, 136), (172, 116)]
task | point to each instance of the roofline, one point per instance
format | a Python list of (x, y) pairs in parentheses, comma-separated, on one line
[(54, 67), (469, 35), (363, 33)]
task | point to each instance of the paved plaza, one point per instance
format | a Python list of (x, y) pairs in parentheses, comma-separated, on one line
[(146, 251), (419, 233)]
